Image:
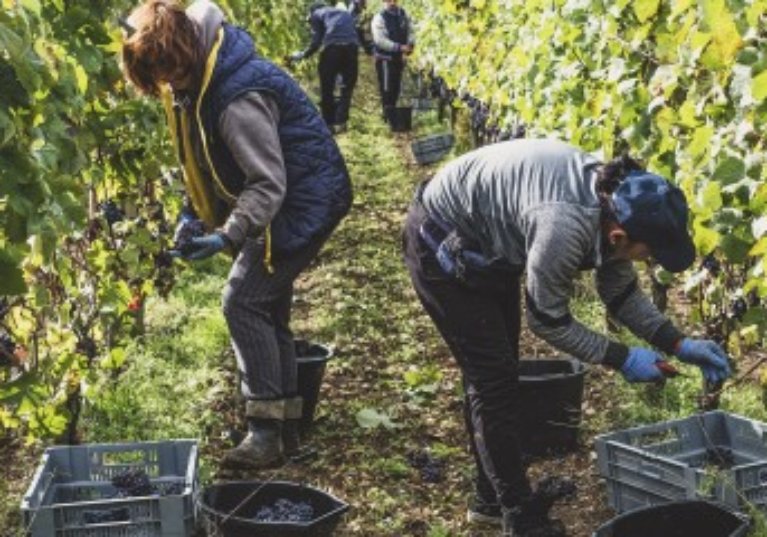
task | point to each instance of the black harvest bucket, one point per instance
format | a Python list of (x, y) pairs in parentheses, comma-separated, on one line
[(230, 509), (551, 392), (400, 118), (312, 359), (694, 518)]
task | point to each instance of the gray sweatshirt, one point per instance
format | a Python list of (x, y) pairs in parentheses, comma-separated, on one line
[(248, 126), (533, 203)]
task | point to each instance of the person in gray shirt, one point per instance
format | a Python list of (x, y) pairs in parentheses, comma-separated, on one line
[(547, 210)]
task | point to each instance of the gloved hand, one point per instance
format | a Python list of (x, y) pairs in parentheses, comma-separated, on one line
[(205, 246), (296, 56), (640, 366), (707, 355)]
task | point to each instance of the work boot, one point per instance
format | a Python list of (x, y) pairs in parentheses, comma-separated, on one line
[(531, 517), (486, 514), (516, 524), (291, 433), (261, 449)]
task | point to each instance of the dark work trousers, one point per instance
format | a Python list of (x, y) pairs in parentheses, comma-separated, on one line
[(389, 81), (337, 60), (257, 308), (479, 319)]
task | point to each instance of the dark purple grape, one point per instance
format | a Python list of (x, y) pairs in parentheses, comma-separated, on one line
[(111, 212), (163, 260), (133, 483), (739, 308), (7, 348), (187, 229), (712, 265), (430, 468), (284, 510)]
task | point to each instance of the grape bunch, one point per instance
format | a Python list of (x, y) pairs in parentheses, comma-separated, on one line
[(163, 260), (430, 468), (285, 510), (101, 516), (738, 308), (712, 265), (188, 228), (7, 348), (133, 483), (111, 212)]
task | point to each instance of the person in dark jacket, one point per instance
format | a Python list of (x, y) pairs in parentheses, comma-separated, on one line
[(264, 174), (393, 40), (548, 210), (357, 10), (334, 30)]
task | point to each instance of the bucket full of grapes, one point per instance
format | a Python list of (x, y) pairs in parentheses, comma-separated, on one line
[(269, 509)]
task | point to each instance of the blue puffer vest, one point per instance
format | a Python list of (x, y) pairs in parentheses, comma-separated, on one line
[(319, 191), (396, 30)]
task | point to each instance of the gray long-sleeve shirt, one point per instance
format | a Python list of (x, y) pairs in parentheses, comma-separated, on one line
[(533, 203)]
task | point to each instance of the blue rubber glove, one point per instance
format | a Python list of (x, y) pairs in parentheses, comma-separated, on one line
[(206, 246), (707, 355), (640, 366)]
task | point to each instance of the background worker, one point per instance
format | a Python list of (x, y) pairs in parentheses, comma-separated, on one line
[(393, 40), (264, 174), (549, 210), (334, 29)]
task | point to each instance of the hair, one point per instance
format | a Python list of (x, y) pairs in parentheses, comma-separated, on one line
[(164, 45), (609, 177)]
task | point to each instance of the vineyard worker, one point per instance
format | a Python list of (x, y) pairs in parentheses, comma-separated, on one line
[(549, 210), (265, 175), (334, 30), (393, 39)]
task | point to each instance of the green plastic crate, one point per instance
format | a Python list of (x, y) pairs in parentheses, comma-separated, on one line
[(72, 488)]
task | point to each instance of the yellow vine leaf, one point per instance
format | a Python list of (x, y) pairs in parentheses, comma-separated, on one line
[(646, 9), (726, 40)]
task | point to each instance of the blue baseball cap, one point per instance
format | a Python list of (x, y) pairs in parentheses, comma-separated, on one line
[(652, 210)]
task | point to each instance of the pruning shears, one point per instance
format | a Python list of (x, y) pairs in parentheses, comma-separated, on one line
[(668, 370)]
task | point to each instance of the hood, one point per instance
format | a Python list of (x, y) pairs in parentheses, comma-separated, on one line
[(209, 18)]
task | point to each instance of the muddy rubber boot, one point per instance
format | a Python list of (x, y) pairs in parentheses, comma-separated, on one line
[(291, 433), (484, 512), (517, 524), (508, 517), (531, 518), (291, 438), (261, 449)]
